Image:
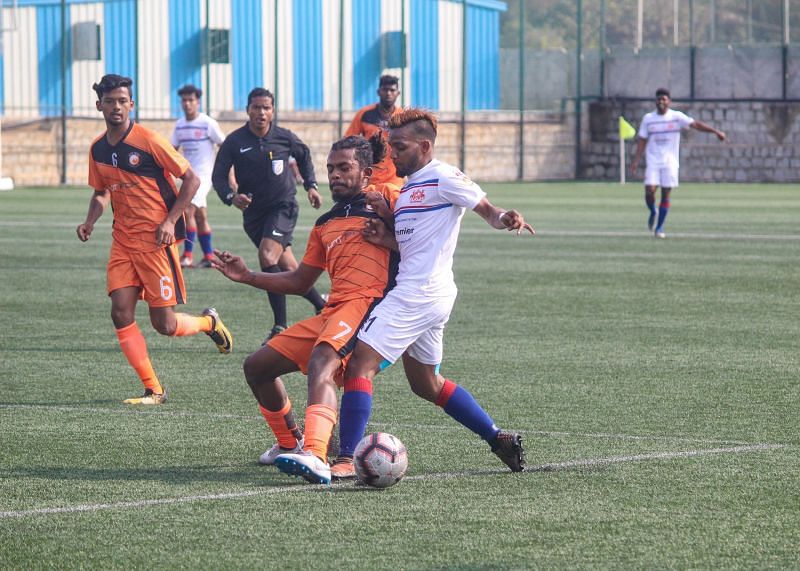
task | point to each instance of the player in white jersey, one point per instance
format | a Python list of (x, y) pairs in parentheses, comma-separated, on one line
[(660, 134), (196, 135), (409, 322)]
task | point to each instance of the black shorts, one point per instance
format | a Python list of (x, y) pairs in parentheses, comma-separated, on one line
[(276, 223)]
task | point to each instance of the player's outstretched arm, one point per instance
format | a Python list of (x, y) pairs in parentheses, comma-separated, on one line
[(97, 205), (706, 128), (502, 219), (297, 281)]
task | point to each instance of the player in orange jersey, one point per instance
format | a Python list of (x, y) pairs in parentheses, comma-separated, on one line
[(375, 119), (319, 345), (132, 168)]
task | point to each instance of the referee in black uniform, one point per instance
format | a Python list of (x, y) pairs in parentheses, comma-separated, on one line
[(259, 154)]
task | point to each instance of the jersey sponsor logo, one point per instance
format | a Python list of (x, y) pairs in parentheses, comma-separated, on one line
[(277, 166), (134, 159), (404, 231), (417, 196), (243, 150)]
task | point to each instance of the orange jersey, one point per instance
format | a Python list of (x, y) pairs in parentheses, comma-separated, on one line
[(357, 268), (389, 191), (366, 123), (138, 173)]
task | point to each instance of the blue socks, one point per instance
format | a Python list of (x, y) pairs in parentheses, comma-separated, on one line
[(205, 243), (462, 406), (354, 414)]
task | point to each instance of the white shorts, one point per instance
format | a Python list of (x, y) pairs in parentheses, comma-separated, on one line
[(200, 196), (397, 324), (665, 177)]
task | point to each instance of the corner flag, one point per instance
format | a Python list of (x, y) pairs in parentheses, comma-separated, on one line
[(626, 130)]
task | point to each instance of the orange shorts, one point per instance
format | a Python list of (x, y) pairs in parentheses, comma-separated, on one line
[(157, 274), (337, 326)]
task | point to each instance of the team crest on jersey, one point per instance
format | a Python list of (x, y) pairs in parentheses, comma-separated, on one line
[(134, 159), (417, 196), (277, 166)]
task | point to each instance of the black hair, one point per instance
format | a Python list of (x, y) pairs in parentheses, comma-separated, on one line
[(110, 82), (388, 80), (259, 92), (190, 89), (662, 91), (366, 152)]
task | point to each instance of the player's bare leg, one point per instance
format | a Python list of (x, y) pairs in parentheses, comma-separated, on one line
[(262, 371), (457, 402)]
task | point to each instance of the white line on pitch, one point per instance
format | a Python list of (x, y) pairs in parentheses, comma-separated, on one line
[(420, 477), (373, 425)]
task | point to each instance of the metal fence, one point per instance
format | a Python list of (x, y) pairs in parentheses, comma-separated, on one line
[(550, 56)]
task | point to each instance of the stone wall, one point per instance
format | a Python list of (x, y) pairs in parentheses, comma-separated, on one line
[(32, 148), (763, 141)]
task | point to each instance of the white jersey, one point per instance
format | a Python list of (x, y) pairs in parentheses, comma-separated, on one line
[(663, 134), (196, 139), (427, 218)]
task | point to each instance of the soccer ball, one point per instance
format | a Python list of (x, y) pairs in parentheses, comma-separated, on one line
[(381, 460)]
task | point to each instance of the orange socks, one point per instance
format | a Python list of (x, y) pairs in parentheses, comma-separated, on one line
[(283, 425), (133, 346), (320, 420), (191, 324)]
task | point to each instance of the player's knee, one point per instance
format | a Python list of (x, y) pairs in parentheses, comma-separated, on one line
[(427, 389), (165, 327), (255, 373)]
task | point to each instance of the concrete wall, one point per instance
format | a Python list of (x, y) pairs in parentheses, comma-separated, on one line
[(763, 141), (32, 147)]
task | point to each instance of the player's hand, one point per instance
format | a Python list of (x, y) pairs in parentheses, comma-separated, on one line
[(633, 169), (314, 198), (232, 267), (165, 233), (241, 201), (84, 231), (720, 135), (513, 220), (377, 203), (376, 232)]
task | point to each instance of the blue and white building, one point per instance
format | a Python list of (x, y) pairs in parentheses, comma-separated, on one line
[(315, 55)]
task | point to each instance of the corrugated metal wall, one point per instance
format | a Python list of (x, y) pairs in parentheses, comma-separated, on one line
[(293, 47)]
